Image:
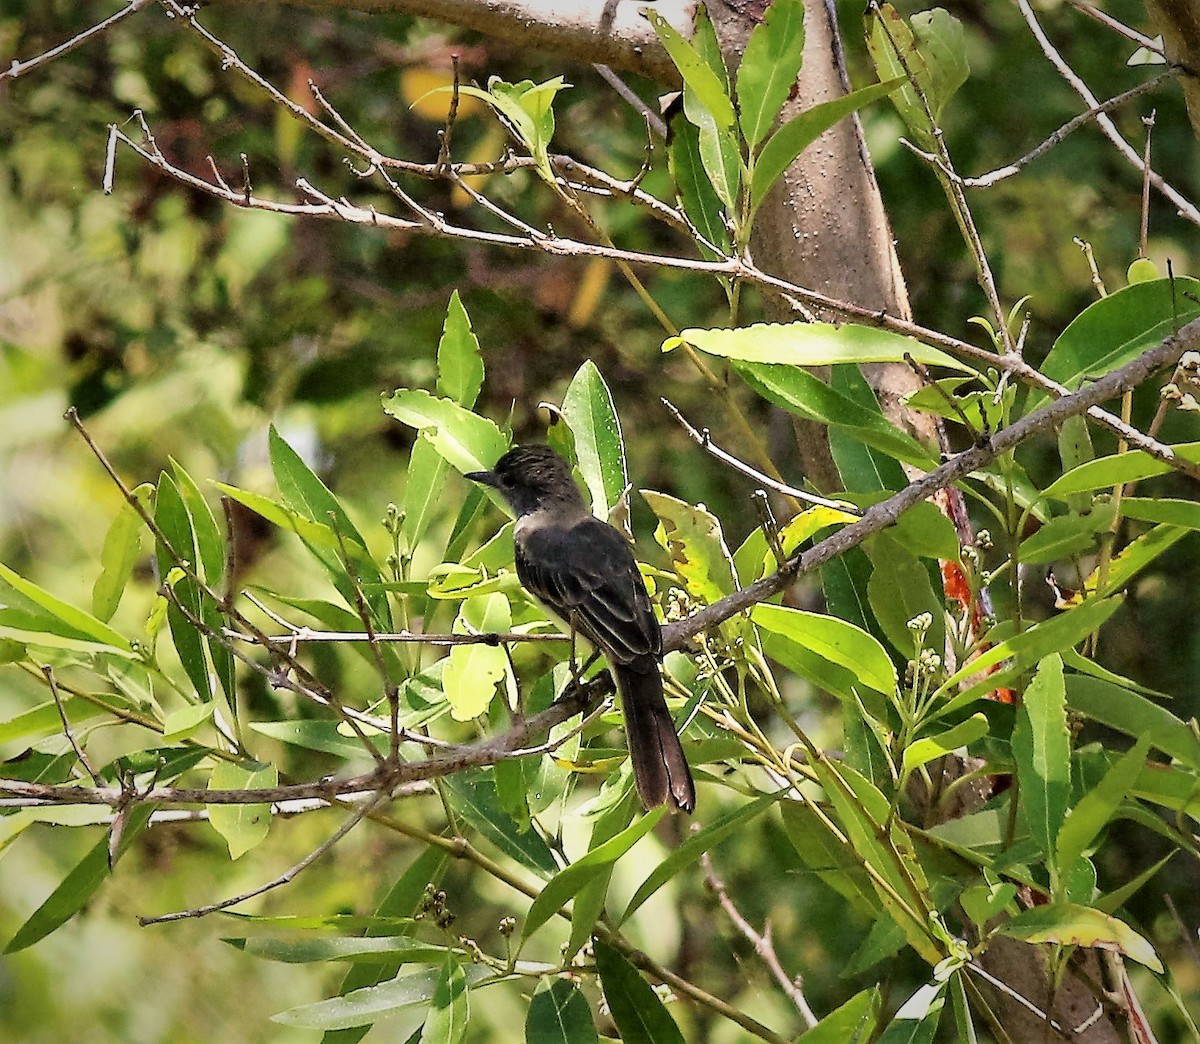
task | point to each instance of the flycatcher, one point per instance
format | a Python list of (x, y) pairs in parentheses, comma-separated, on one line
[(582, 569)]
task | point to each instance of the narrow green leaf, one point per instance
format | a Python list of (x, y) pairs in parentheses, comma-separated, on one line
[(1098, 806), (424, 492), (324, 736), (79, 885), (1117, 328), (371, 1003), (900, 590), (570, 879), (1106, 472), (472, 796), (449, 1007), (314, 949), (917, 1020), (802, 393), (635, 1007), (770, 64), (1042, 747), (697, 75), (835, 640), (798, 133), (460, 366), (305, 493), (700, 201), (185, 722), (1185, 513), (559, 1014), (173, 520), (122, 547), (694, 847), (472, 672), (1134, 715), (78, 623), (924, 750), (1071, 925), (242, 826), (401, 901), (44, 720), (811, 344), (1065, 535), (588, 409), (853, 1023)]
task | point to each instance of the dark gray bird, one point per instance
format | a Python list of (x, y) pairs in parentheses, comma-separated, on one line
[(582, 570)]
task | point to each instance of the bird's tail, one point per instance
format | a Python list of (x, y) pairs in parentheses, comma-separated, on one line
[(659, 766)]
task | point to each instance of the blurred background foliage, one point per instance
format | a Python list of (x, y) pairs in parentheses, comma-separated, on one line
[(180, 328)]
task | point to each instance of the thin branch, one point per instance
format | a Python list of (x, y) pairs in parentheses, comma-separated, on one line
[(494, 638), (19, 68), (84, 760), (762, 943), (1088, 7), (704, 439), (288, 875), (1186, 208)]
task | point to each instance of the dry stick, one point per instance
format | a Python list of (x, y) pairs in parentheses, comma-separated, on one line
[(84, 760), (762, 943), (284, 878), (704, 439), (1072, 125), (1088, 8), (19, 68), (1186, 208)]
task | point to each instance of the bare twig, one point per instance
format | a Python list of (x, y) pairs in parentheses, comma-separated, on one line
[(19, 68), (703, 439), (1186, 208), (653, 120), (762, 943), (80, 753), (288, 875)]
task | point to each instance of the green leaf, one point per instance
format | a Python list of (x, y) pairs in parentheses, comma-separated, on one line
[(305, 493), (692, 537), (79, 885), (449, 1008), (770, 64), (402, 900), (588, 409), (371, 1003), (640, 1016), (467, 441), (798, 133), (917, 1020), (1134, 715), (754, 558), (1065, 535), (122, 547), (983, 902), (242, 826), (853, 1023), (64, 620), (460, 366), (1185, 513), (472, 796), (473, 671), (922, 751), (563, 885), (700, 200), (314, 949), (827, 856), (900, 590), (1131, 560), (1099, 805), (1120, 467), (1042, 747), (44, 720), (810, 344), (834, 640), (925, 531), (324, 736), (185, 722), (1068, 924), (799, 392), (171, 516), (939, 35), (697, 75), (1116, 329), (559, 1014), (693, 847)]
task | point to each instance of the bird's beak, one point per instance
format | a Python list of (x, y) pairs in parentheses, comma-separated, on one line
[(486, 478)]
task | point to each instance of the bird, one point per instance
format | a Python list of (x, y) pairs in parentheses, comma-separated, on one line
[(582, 570)]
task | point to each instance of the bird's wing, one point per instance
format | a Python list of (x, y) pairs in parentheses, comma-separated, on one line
[(586, 573)]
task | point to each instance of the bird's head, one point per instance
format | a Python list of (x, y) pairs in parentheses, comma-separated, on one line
[(531, 477)]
